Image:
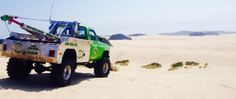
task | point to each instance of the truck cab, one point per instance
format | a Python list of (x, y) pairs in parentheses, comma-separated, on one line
[(70, 31)]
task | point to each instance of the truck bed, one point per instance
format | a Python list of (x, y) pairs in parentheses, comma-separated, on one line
[(28, 50)]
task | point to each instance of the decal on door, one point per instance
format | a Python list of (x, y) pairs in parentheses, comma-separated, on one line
[(81, 54)]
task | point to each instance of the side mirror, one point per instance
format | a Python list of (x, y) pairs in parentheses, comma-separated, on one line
[(100, 39)]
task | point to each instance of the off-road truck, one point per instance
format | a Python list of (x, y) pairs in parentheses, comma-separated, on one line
[(65, 46)]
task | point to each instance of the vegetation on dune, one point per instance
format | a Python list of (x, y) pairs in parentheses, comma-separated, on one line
[(122, 62), (186, 65), (205, 65), (176, 66), (152, 66), (191, 63)]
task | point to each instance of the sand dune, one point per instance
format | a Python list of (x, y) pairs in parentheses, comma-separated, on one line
[(217, 81)]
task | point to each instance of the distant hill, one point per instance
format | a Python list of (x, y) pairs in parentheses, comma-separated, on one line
[(203, 33), (119, 37), (197, 33), (177, 33), (1, 40), (138, 34)]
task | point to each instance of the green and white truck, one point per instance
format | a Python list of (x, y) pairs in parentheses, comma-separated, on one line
[(66, 45)]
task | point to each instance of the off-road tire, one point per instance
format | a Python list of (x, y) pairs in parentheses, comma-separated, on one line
[(62, 74), (102, 68), (18, 69)]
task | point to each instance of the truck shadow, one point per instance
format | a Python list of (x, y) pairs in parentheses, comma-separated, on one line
[(39, 82)]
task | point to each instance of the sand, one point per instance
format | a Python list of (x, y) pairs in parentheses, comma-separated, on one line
[(216, 81)]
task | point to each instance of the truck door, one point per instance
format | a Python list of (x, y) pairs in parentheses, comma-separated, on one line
[(94, 48), (83, 49)]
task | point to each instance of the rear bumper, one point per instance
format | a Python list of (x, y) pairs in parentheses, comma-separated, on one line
[(37, 58)]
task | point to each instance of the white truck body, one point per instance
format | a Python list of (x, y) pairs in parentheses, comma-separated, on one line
[(40, 51)]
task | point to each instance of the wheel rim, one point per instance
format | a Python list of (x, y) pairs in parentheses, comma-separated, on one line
[(67, 72), (105, 68)]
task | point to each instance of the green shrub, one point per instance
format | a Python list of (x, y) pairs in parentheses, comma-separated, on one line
[(122, 62), (152, 66), (191, 63), (206, 64), (176, 66)]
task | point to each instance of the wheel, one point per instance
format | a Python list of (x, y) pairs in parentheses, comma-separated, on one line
[(18, 69), (102, 68), (62, 74)]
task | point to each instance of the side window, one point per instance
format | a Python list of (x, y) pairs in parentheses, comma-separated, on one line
[(81, 34), (93, 35)]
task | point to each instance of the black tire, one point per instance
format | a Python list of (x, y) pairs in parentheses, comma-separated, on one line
[(62, 74), (18, 69), (102, 68)]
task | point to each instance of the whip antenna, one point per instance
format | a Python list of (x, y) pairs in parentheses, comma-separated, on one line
[(53, 1)]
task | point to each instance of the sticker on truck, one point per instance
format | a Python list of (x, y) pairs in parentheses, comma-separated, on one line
[(17, 47), (33, 49), (81, 54)]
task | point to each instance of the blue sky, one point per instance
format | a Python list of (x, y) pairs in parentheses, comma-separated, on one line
[(127, 16)]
